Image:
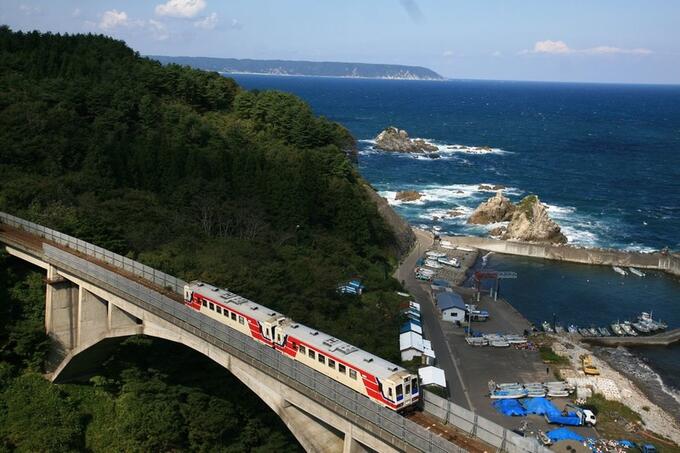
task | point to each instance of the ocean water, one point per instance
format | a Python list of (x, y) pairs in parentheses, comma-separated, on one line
[(605, 159)]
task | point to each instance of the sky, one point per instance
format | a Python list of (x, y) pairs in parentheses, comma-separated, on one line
[(622, 41)]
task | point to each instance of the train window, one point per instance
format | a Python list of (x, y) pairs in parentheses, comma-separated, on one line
[(278, 337), (233, 316), (407, 389), (205, 303), (302, 349), (226, 313), (322, 358), (389, 392), (331, 363), (212, 306), (312, 354), (219, 310), (342, 368), (352, 374), (415, 384), (400, 391), (241, 320)]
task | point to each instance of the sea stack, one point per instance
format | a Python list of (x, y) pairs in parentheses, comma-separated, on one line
[(496, 209), (530, 222), (397, 140)]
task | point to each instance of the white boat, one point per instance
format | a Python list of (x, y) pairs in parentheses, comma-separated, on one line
[(435, 254), (509, 385), (449, 261), (618, 270), (572, 328), (628, 328), (515, 339), (449, 247), (557, 393), (508, 394), (476, 341), (637, 272), (499, 343), (433, 264), (536, 393), (546, 327), (616, 328)]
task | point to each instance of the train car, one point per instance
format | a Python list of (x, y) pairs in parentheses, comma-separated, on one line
[(383, 382)]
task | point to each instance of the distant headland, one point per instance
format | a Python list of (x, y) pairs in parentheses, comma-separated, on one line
[(304, 68)]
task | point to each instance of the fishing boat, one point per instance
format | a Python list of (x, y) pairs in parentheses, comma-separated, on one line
[(593, 332), (646, 318), (604, 332), (559, 328), (536, 392), (508, 385), (572, 328), (641, 327), (588, 367), (546, 327), (557, 392), (515, 339), (433, 264), (435, 254), (584, 332), (512, 393), (616, 328), (500, 343), (476, 341), (454, 262), (637, 272), (620, 271)]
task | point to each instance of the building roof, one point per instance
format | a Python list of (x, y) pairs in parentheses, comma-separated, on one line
[(446, 301), (410, 340), (441, 282), (432, 375), (427, 349), (411, 326)]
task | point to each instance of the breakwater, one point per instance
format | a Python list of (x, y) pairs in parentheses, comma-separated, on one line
[(661, 339), (667, 262)]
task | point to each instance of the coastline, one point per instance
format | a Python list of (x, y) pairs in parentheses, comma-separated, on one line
[(659, 416)]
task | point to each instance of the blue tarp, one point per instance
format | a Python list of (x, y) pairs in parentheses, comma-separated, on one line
[(540, 406), (559, 434), (626, 443), (509, 407)]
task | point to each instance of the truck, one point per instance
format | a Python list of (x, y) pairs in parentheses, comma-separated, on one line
[(576, 417)]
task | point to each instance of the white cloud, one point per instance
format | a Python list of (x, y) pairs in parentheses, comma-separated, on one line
[(158, 30), (496, 53), (236, 25), (76, 12), (207, 23), (30, 10), (447, 53), (113, 19), (180, 8), (561, 48)]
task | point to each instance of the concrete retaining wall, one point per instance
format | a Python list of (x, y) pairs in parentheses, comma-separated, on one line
[(669, 263)]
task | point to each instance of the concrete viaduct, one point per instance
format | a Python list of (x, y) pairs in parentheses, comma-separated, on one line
[(94, 297)]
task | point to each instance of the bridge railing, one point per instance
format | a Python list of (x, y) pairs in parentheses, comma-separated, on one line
[(331, 394), (121, 262)]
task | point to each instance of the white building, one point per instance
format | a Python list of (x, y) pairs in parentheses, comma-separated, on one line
[(451, 306), (410, 345)]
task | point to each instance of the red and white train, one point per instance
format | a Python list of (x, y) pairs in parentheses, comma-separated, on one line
[(383, 382)]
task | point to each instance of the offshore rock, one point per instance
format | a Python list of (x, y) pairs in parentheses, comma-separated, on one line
[(496, 209), (408, 195), (394, 139), (530, 222)]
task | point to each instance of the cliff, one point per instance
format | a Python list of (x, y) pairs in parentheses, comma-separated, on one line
[(400, 228), (530, 222), (496, 209), (304, 68)]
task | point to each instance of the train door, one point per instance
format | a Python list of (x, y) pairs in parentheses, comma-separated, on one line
[(269, 331)]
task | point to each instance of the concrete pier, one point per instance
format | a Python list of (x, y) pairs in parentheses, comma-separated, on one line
[(661, 339)]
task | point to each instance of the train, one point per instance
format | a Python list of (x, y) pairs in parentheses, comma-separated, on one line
[(385, 383)]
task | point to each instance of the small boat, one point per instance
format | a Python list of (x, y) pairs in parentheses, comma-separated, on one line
[(536, 392), (593, 332), (637, 272), (433, 264), (584, 332), (435, 254), (558, 393), (620, 271), (508, 394), (628, 328), (560, 384), (588, 367), (604, 332), (640, 327), (616, 328), (509, 385), (559, 328), (500, 343), (572, 328), (454, 262), (546, 327), (476, 341), (515, 339)]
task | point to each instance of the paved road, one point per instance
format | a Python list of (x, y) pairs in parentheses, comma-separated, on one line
[(431, 327)]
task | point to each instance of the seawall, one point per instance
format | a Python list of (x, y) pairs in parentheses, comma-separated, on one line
[(669, 262)]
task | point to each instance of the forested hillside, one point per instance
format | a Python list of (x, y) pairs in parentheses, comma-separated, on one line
[(185, 171)]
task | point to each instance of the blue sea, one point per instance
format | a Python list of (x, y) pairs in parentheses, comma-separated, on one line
[(605, 159)]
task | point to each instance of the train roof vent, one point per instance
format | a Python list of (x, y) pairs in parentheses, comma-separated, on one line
[(239, 300), (314, 332), (253, 307), (215, 288), (272, 313), (393, 368), (368, 359), (346, 348), (199, 284), (330, 341), (224, 296), (295, 326)]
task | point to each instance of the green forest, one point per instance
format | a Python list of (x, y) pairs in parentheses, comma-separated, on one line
[(187, 172)]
